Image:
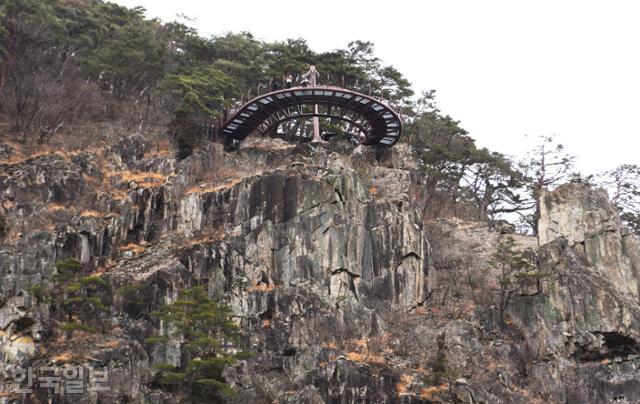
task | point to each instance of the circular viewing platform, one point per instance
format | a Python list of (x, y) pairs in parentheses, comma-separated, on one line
[(377, 123)]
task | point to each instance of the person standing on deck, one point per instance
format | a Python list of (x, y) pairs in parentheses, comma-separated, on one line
[(275, 86)]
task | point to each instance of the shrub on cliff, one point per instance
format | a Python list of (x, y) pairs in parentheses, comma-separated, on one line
[(516, 271), (207, 331), (76, 299)]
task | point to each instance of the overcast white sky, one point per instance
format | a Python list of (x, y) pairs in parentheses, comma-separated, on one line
[(504, 68)]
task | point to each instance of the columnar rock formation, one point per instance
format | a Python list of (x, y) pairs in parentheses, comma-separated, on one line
[(343, 290)]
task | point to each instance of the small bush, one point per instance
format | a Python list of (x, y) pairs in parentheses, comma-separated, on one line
[(72, 326), (129, 289), (38, 291)]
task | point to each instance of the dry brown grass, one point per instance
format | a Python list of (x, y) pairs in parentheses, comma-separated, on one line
[(330, 345), (270, 144), (78, 348), (405, 381), (362, 351), (355, 356), (98, 272), (161, 148), (21, 153), (141, 179), (57, 207), (108, 344), (431, 393), (90, 213), (212, 236), (136, 249), (203, 188), (260, 287), (116, 194), (64, 357)]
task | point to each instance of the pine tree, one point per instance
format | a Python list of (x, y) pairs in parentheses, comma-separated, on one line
[(207, 330), (79, 294), (516, 271)]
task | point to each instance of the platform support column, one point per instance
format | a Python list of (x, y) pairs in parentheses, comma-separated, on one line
[(313, 73)]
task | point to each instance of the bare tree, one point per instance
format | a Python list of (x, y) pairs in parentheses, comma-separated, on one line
[(546, 165), (623, 184)]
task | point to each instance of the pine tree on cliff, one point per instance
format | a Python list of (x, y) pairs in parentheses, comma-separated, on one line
[(207, 329), (623, 184), (515, 273), (546, 165)]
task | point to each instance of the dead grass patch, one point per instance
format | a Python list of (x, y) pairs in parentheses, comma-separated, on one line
[(21, 155), (330, 345), (57, 207), (141, 179), (136, 249), (260, 287), (90, 213), (431, 393), (213, 236), (209, 188), (362, 351), (405, 381), (108, 344)]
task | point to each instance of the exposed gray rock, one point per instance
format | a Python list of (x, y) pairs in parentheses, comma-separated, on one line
[(590, 224), (323, 257)]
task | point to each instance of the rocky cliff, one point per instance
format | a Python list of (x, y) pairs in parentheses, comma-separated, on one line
[(343, 291)]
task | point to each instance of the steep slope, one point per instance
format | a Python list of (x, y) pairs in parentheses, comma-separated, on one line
[(343, 291)]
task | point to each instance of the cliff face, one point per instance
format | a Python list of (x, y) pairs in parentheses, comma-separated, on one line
[(342, 290), (595, 297)]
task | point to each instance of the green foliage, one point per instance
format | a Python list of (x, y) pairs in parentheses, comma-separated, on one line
[(158, 68), (172, 378), (133, 299), (131, 56), (73, 287), (130, 289), (77, 294), (515, 272), (457, 176), (292, 56), (157, 339), (67, 269), (214, 386), (244, 355), (203, 89), (82, 300), (68, 266), (70, 327), (206, 328), (442, 370), (38, 291), (92, 280), (164, 366), (4, 227), (57, 55)]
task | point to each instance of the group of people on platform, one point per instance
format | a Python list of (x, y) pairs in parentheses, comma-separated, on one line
[(308, 78)]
